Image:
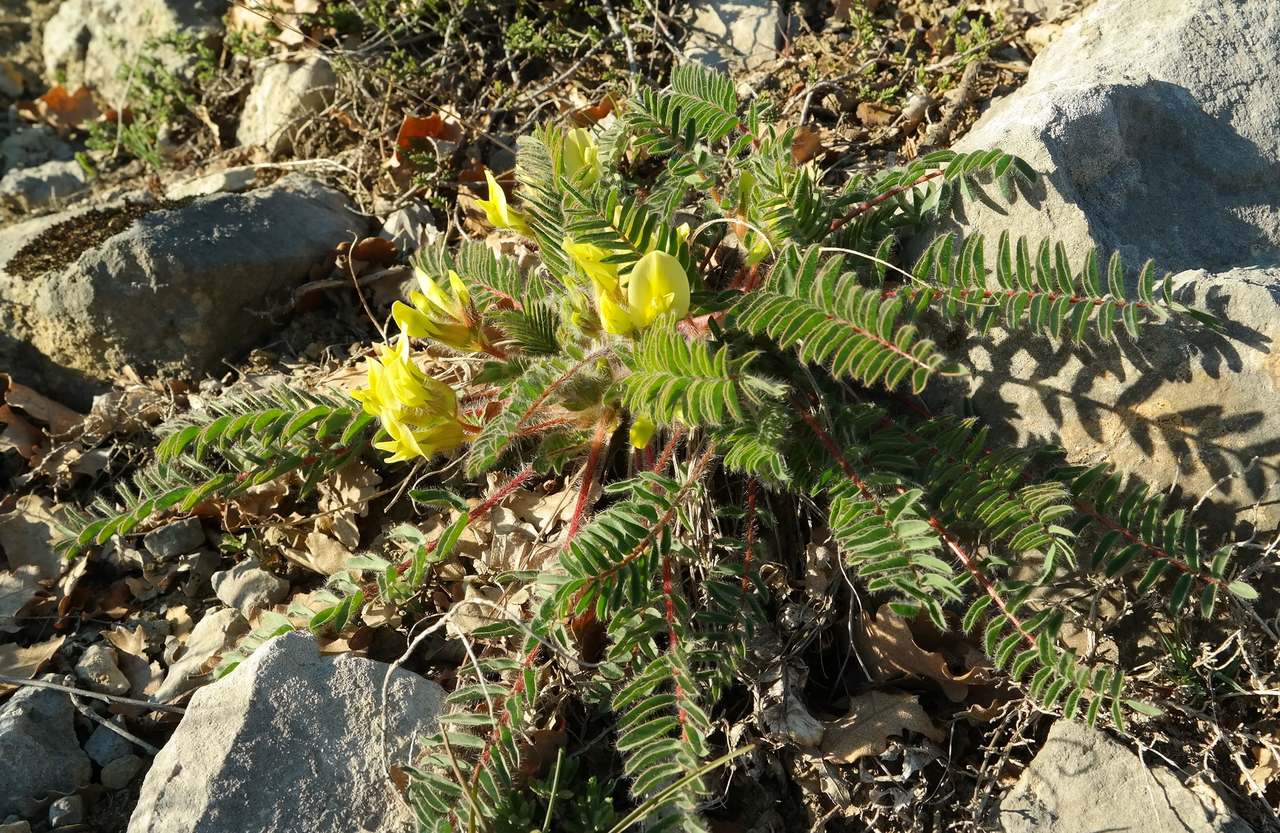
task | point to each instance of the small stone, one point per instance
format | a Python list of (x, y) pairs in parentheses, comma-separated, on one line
[(119, 773), (249, 588), (175, 539), (734, 34), (31, 146), (20, 826), (98, 669), (105, 746), (284, 96), (44, 185), (66, 811)]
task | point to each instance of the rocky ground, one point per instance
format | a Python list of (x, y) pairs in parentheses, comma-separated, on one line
[(204, 200)]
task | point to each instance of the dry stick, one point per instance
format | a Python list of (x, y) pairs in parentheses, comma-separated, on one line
[(119, 730), (109, 698), (940, 133)]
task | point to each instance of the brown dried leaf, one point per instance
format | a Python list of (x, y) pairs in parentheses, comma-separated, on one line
[(66, 111), (874, 114), (324, 555), (17, 589), (889, 649), (873, 718), (18, 434), (375, 251), (415, 131), (24, 663), (60, 419), (29, 535), (127, 641), (807, 143)]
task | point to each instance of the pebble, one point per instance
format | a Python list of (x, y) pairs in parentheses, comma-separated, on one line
[(249, 588), (66, 811), (119, 773), (98, 669), (104, 746), (177, 538)]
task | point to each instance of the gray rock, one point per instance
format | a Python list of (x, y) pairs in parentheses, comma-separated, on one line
[(177, 291), (96, 42), (174, 539), (1084, 782), (30, 146), (66, 811), (97, 669), (217, 632), (283, 97), (42, 186), (104, 746), (41, 754), (120, 773), (229, 180), (249, 588), (734, 35), (16, 827), (288, 742), (1154, 126)]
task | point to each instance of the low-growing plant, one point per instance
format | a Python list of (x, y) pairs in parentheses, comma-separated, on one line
[(712, 329)]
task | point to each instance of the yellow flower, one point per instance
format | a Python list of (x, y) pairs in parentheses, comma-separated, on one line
[(657, 286), (642, 429), (499, 213), (581, 156), (418, 413), (590, 259), (443, 315)]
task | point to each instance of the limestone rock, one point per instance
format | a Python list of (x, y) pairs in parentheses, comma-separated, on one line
[(249, 588), (174, 539), (119, 773), (285, 95), (98, 670), (177, 289), (734, 35), (1154, 126), (228, 180), (287, 742), (1083, 782), (95, 42), (42, 186), (41, 755), (30, 146), (104, 746)]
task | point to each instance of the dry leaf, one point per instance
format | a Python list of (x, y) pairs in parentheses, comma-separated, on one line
[(374, 250), (65, 111), (806, 144), (18, 434), (416, 131), (871, 113), (324, 555), (873, 718), (24, 663), (126, 641), (344, 497), (889, 649), (17, 589), (585, 116), (60, 419), (1265, 769), (28, 535)]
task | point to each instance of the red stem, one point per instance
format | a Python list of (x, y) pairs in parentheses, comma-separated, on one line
[(863, 207)]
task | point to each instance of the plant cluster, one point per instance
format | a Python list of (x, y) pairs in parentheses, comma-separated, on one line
[(713, 328)]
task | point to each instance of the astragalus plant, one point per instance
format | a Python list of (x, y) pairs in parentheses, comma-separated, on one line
[(714, 327)]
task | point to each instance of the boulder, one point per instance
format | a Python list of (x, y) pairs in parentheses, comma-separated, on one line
[(41, 754), (734, 35), (288, 742), (1083, 781), (1154, 128), (284, 96), (96, 42), (44, 185), (1154, 125), (163, 289)]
